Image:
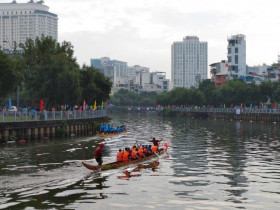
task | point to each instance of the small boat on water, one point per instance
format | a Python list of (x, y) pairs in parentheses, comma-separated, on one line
[(111, 134), (114, 165)]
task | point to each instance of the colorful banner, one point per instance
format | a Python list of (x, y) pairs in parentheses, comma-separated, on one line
[(41, 104), (94, 107), (10, 104), (84, 105)]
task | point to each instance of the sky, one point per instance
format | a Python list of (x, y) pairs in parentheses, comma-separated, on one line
[(141, 32)]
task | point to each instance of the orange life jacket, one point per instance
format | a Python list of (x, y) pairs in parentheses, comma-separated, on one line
[(125, 156), (134, 154), (140, 152), (120, 156), (154, 148)]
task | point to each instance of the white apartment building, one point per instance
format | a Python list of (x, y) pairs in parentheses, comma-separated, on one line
[(133, 78), (237, 56), (132, 70), (220, 67), (189, 62), (152, 81), (19, 21)]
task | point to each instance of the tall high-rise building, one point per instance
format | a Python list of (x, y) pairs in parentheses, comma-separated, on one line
[(237, 56), (19, 21), (119, 67), (189, 62)]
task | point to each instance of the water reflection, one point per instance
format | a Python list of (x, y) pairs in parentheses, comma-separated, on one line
[(210, 164), (136, 172), (214, 154)]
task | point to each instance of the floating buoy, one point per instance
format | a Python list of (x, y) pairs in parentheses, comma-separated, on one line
[(22, 141), (45, 137)]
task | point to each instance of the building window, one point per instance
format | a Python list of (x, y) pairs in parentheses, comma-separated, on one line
[(236, 50), (229, 59), (229, 50), (236, 59)]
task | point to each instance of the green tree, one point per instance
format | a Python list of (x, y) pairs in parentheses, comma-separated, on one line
[(52, 71), (266, 91), (209, 90), (254, 94), (7, 76), (126, 98), (197, 97), (95, 86), (11, 71), (235, 92)]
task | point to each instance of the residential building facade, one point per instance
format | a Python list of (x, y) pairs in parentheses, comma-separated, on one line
[(189, 62), (219, 72), (236, 54), (134, 78), (19, 21)]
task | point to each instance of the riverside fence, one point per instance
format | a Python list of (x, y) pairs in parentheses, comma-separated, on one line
[(42, 125), (20, 116), (249, 114), (227, 110)]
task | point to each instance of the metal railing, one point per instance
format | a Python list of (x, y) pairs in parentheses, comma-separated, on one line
[(19, 116), (227, 110)]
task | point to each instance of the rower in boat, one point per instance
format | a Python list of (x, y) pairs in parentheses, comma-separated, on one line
[(155, 144), (98, 154), (102, 127), (141, 152), (134, 154), (126, 155), (120, 156)]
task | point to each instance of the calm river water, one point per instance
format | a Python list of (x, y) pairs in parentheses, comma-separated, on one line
[(210, 164)]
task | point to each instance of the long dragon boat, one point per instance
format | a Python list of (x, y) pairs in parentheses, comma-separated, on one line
[(115, 165), (111, 134)]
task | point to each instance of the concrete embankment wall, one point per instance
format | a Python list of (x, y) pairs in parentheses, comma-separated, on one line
[(48, 129), (262, 117)]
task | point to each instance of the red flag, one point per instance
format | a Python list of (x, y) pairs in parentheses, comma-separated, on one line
[(84, 105), (41, 104)]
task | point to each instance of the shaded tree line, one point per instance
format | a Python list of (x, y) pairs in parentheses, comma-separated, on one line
[(126, 98), (48, 69), (235, 92)]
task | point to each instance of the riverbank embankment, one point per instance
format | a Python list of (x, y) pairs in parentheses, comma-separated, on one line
[(49, 124)]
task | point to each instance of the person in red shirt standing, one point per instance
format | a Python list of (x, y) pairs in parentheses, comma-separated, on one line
[(98, 154)]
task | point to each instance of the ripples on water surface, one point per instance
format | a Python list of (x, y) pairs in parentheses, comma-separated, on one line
[(210, 165)]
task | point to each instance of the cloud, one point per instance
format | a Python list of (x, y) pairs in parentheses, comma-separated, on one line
[(142, 31)]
